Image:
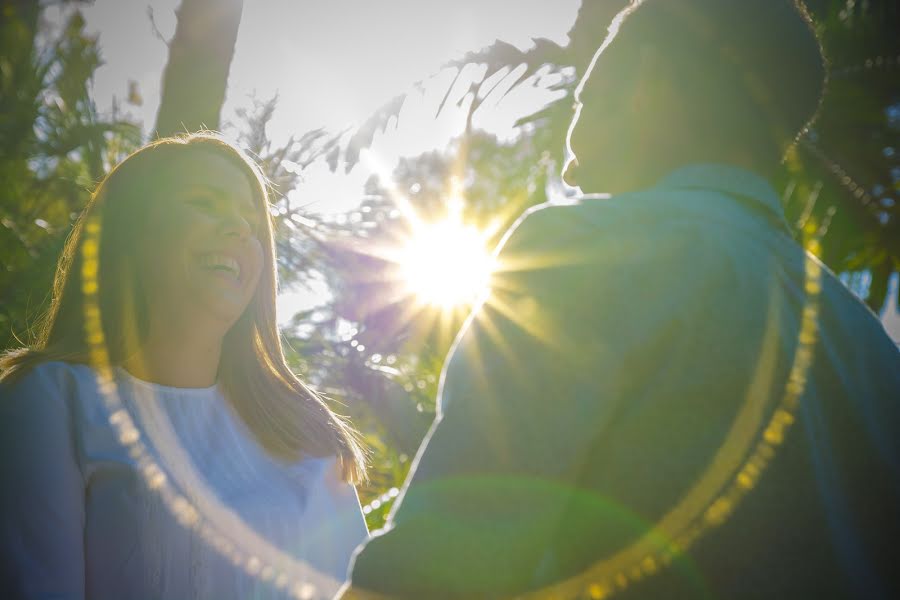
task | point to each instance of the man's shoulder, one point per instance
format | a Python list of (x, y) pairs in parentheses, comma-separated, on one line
[(853, 331), (564, 222), (627, 220), (656, 205)]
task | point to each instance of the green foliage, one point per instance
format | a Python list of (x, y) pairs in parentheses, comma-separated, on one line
[(53, 148), (852, 155)]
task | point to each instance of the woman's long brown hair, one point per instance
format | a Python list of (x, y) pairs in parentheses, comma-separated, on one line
[(286, 417)]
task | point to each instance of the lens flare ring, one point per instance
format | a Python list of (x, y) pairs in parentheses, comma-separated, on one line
[(680, 528)]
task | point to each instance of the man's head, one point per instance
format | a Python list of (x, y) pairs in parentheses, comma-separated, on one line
[(685, 81)]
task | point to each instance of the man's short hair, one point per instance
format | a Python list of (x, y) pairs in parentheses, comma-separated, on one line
[(764, 52)]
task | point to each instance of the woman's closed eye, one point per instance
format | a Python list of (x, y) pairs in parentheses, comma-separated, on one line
[(219, 208), (254, 223), (204, 203)]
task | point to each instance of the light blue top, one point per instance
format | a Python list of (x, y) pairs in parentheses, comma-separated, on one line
[(78, 519)]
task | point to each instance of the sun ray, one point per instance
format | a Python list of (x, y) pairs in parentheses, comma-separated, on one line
[(525, 313), (484, 320)]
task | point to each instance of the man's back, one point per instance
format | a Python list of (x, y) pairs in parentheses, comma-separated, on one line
[(664, 370), (777, 432)]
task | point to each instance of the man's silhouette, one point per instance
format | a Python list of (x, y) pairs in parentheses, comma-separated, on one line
[(665, 395)]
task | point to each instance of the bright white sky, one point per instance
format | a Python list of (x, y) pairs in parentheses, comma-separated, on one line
[(332, 63)]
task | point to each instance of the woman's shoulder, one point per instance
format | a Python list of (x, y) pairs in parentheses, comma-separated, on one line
[(312, 467), (333, 498), (49, 375), (322, 472), (51, 385)]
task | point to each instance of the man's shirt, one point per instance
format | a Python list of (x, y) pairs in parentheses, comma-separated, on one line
[(664, 396)]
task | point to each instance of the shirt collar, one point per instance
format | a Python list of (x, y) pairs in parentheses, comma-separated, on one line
[(739, 183)]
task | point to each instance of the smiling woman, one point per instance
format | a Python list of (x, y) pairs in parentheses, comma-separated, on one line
[(159, 443), (206, 253)]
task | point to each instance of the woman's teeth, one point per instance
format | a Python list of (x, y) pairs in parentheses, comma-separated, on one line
[(220, 262)]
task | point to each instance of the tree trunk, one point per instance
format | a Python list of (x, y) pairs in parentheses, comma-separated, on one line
[(200, 53)]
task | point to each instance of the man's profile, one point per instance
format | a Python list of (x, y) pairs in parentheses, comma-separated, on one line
[(665, 396)]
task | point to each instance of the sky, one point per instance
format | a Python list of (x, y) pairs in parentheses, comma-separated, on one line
[(332, 63)]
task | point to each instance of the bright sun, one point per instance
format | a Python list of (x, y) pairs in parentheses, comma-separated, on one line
[(445, 264)]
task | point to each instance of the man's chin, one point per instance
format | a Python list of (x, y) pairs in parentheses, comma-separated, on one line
[(612, 185), (592, 188)]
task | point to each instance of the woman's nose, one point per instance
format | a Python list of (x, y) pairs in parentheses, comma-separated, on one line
[(235, 225)]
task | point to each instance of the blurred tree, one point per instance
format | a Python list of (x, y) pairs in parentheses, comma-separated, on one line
[(195, 77), (371, 348), (848, 168), (840, 186), (53, 147)]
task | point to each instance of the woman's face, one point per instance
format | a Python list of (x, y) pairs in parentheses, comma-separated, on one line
[(202, 253)]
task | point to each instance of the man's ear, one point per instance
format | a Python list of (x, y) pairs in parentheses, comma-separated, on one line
[(653, 84)]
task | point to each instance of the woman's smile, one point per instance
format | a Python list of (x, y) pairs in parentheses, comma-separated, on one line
[(221, 264), (210, 260)]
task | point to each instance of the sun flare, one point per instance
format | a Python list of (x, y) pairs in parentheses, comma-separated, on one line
[(445, 264)]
